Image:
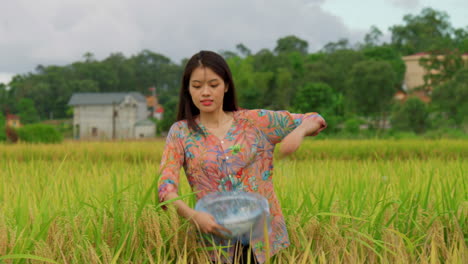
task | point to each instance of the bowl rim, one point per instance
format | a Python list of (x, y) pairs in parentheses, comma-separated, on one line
[(252, 196)]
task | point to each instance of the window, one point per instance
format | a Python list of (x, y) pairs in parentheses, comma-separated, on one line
[(94, 132)]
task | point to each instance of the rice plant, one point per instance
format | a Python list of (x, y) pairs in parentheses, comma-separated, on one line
[(376, 201)]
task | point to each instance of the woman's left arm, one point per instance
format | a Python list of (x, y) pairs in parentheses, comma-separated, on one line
[(310, 126)]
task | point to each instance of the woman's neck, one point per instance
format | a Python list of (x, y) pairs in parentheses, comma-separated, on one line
[(215, 119)]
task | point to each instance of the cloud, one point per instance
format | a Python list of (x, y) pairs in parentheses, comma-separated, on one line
[(405, 4), (60, 32)]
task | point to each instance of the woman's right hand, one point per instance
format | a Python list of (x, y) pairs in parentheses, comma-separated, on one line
[(206, 223)]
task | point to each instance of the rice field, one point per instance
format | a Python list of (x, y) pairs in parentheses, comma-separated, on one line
[(372, 201)]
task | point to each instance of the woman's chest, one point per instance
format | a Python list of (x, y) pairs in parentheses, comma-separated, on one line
[(240, 147)]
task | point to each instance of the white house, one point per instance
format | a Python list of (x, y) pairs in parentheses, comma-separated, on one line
[(110, 116)]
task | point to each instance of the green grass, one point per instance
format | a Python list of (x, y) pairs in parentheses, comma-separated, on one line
[(344, 202)]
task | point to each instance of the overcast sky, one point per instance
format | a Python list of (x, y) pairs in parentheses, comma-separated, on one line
[(59, 32)]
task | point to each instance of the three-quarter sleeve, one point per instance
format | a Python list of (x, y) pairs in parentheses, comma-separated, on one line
[(276, 125), (171, 162)]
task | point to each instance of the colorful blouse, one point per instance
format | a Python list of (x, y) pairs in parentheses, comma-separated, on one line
[(245, 163)]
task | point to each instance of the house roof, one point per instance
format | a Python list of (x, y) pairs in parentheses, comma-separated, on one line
[(103, 98), (426, 54), (403, 96), (12, 117), (160, 109)]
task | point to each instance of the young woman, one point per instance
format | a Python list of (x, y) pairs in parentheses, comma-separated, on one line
[(224, 148)]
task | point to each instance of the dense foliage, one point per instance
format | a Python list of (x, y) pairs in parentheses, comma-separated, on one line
[(451, 97), (39, 133), (2, 127), (342, 81), (410, 116)]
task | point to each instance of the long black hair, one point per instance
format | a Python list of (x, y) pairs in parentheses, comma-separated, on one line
[(187, 109)]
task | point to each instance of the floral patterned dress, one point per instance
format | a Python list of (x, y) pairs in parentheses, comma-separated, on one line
[(245, 163)]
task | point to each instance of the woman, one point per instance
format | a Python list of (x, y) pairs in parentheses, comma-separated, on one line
[(224, 148)]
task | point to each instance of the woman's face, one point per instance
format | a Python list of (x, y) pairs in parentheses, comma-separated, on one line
[(207, 90)]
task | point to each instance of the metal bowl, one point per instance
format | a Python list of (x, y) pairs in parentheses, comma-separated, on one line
[(240, 212)]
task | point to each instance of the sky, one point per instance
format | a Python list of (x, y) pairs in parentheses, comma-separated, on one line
[(59, 32)]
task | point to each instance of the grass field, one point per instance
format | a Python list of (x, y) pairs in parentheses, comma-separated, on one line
[(370, 201)]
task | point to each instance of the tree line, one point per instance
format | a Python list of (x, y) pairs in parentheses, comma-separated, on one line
[(347, 83)]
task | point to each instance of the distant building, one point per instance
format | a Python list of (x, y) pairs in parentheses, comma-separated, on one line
[(414, 75), (159, 113), (414, 78), (402, 96), (13, 121), (110, 116), (144, 129), (156, 109)]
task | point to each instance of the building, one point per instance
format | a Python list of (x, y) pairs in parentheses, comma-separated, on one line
[(414, 75), (402, 96), (156, 109), (110, 116), (13, 121), (159, 113), (144, 129)]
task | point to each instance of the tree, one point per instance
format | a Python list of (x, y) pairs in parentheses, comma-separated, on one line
[(296, 66), (251, 86), (318, 97), (52, 86), (430, 30), (319, 72), (339, 64), (264, 60), (89, 57), (441, 66), (390, 55), (371, 88), (242, 71), (334, 70), (119, 70), (290, 44), (27, 112), (243, 50), (412, 115), (83, 86), (461, 39), (153, 69), (283, 89), (371, 39), (2, 127), (332, 47), (450, 97), (170, 115), (3, 97), (227, 54), (30, 86)]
